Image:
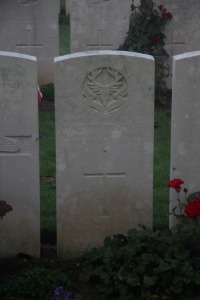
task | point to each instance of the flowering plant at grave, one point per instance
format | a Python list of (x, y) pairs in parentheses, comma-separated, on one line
[(4, 208), (146, 35), (61, 294), (189, 208), (187, 212)]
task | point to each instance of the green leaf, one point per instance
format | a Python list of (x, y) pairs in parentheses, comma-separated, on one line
[(149, 280), (147, 257), (181, 252), (197, 278), (134, 281), (193, 195), (177, 289), (164, 266)]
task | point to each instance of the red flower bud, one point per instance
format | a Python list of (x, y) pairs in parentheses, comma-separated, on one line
[(169, 15), (155, 40), (160, 7), (175, 184)]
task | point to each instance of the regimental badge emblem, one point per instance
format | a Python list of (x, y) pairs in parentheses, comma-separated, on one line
[(105, 90)]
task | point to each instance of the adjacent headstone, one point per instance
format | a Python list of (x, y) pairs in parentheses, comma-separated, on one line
[(185, 128), (19, 155), (104, 140), (182, 31), (98, 24), (31, 27)]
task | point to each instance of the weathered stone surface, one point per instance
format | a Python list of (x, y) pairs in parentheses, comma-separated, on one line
[(182, 31), (19, 155), (185, 130), (67, 7), (31, 27), (104, 129), (98, 24)]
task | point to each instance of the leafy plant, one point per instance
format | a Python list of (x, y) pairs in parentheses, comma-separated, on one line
[(47, 92), (187, 213), (144, 265), (38, 283), (146, 36), (147, 264)]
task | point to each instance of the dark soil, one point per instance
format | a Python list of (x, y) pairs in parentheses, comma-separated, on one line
[(10, 267), (46, 106)]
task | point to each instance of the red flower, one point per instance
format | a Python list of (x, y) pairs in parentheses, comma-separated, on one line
[(175, 183), (155, 40), (166, 15), (169, 15), (160, 7), (192, 208)]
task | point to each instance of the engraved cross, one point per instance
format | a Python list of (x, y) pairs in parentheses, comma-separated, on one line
[(100, 45), (29, 45), (104, 174)]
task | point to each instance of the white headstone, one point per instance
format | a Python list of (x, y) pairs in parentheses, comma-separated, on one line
[(31, 27), (98, 24), (104, 139), (182, 31), (185, 128), (19, 155)]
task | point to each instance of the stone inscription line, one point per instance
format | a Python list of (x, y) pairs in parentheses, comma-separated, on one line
[(100, 2), (174, 44), (104, 174), (28, 2), (11, 144), (122, 174)]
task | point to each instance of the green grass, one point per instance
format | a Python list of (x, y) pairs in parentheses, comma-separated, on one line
[(47, 143), (161, 169), (47, 173), (62, 5), (64, 39), (47, 167)]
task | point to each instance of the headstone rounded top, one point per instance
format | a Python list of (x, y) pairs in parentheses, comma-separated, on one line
[(28, 2)]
